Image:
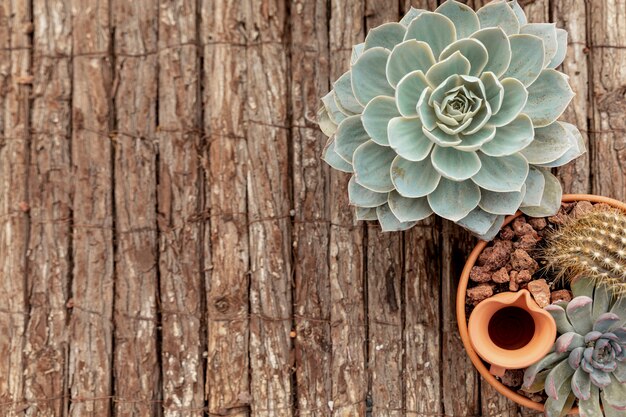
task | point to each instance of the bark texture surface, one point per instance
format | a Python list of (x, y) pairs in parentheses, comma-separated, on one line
[(172, 245)]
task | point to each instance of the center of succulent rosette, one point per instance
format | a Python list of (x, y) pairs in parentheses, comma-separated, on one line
[(455, 110)]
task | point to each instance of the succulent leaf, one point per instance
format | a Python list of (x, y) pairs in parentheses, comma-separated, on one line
[(548, 144), (414, 179), (369, 76), (498, 47), (547, 33), (409, 209), (376, 117), (386, 36), (333, 159), (366, 213), (362, 197), (526, 62), (371, 164), (511, 138), (408, 140), (490, 177), (389, 222), (514, 99), (548, 97), (433, 28), (466, 193), (453, 100), (501, 203), (463, 17), (349, 136), (499, 14), (478, 221), (550, 200), (409, 56)]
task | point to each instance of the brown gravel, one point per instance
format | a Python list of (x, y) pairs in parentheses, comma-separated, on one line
[(520, 259), (540, 291), (480, 274), (501, 276), (561, 295), (538, 223), (479, 293)]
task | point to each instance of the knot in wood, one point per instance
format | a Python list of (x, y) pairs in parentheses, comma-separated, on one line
[(222, 304)]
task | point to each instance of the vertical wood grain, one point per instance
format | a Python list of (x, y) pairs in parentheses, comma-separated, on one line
[(15, 17), (608, 97), (346, 253), (309, 81), (180, 205), (460, 380), (136, 359), (384, 286), (269, 210), (571, 16), (223, 34), (49, 257), (422, 321), (91, 344)]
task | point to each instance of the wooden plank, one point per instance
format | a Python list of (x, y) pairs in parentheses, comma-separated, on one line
[(346, 255), (571, 16), (225, 84), (46, 349), (309, 81), (421, 306), (608, 49), (180, 204), (461, 388), (91, 345), (269, 205), (384, 286), (136, 359), (422, 321), (15, 17)]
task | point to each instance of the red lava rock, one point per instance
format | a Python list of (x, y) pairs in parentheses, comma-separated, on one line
[(602, 207), (507, 233), (520, 259), (479, 293), (519, 278), (561, 295), (519, 226), (496, 256), (480, 274), (501, 276), (540, 291), (581, 208), (560, 217), (538, 223), (513, 377), (527, 242), (513, 285)]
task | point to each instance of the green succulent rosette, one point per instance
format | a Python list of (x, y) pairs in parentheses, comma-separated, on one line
[(453, 112), (588, 361)]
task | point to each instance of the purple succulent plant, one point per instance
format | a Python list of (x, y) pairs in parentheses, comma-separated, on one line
[(588, 362)]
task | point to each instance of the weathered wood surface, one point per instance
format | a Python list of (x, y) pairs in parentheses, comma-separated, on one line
[(172, 245)]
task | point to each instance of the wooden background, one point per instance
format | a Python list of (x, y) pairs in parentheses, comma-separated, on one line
[(172, 245)]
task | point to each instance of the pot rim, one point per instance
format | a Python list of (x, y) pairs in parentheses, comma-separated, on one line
[(460, 305)]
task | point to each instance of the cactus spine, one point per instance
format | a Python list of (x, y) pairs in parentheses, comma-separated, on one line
[(592, 245)]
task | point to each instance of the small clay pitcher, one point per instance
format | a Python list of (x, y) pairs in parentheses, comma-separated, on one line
[(510, 331)]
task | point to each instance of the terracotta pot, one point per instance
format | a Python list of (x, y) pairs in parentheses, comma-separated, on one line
[(510, 331), (462, 319)]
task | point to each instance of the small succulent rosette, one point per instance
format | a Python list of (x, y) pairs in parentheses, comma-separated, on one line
[(588, 362), (453, 112)]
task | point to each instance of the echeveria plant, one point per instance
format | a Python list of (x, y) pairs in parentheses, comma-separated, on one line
[(588, 362), (453, 112)]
